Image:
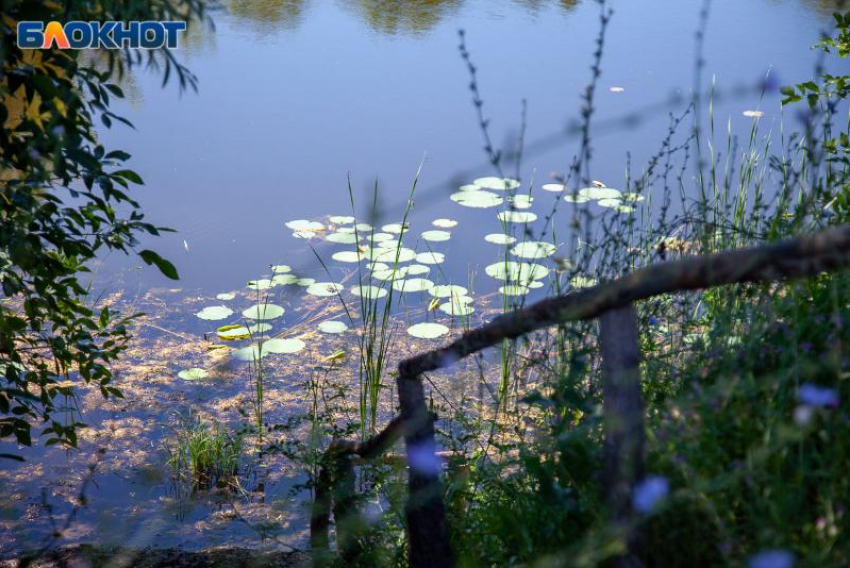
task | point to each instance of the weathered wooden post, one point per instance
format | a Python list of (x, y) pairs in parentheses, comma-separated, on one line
[(428, 536), (320, 520), (623, 417)]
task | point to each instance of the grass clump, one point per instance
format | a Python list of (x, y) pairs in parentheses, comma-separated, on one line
[(206, 454)]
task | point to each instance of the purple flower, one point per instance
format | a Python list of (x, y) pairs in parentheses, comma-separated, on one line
[(813, 395), (423, 458), (649, 492), (772, 559), (653, 320)]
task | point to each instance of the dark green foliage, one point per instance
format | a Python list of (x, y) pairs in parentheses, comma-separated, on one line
[(66, 199)]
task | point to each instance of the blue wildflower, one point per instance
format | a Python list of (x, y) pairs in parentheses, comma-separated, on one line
[(772, 559), (649, 492), (821, 397)]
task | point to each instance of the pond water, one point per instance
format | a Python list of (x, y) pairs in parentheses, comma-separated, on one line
[(295, 97)]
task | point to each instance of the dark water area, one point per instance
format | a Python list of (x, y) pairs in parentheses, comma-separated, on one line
[(296, 96)]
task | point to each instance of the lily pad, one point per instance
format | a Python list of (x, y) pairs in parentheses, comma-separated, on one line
[(352, 256), (553, 187), (325, 289), (233, 332), (502, 184), (213, 313), (282, 346), (395, 228), (448, 291), (417, 270), (388, 274), (427, 330), (517, 216), (512, 271), (249, 353), (615, 204), (341, 219), (444, 223), (375, 266), (304, 234), (260, 327), (281, 268), (304, 225), (477, 199), (500, 239), (514, 290), (576, 198), (193, 374), (436, 236), (261, 284), (342, 238), (430, 258), (264, 312), (521, 201), (390, 255), (284, 279), (225, 296), (534, 249), (305, 281), (413, 285), (333, 326), (582, 282), (458, 306), (369, 292), (363, 228), (632, 197), (382, 238), (600, 193)]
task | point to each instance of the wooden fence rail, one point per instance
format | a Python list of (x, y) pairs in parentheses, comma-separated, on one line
[(612, 302)]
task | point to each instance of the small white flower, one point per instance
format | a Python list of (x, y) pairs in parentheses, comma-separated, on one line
[(803, 415)]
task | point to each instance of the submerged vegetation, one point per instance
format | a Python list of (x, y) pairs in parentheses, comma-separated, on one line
[(744, 386), (206, 455)]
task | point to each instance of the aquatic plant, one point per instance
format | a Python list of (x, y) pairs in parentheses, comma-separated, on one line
[(205, 454)]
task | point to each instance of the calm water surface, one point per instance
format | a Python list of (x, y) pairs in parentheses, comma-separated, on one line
[(297, 95)]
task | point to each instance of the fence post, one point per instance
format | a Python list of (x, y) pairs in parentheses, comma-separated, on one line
[(623, 417), (346, 515), (428, 536), (320, 520)]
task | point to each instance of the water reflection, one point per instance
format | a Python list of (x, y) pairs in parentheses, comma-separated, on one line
[(269, 14), (389, 17), (414, 16), (535, 6), (826, 7)]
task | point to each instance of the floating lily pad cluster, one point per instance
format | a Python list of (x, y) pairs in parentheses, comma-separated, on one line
[(393, 259), (605, 196)]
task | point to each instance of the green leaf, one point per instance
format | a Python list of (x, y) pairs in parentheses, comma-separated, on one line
[(129, 175), (167, 269)]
